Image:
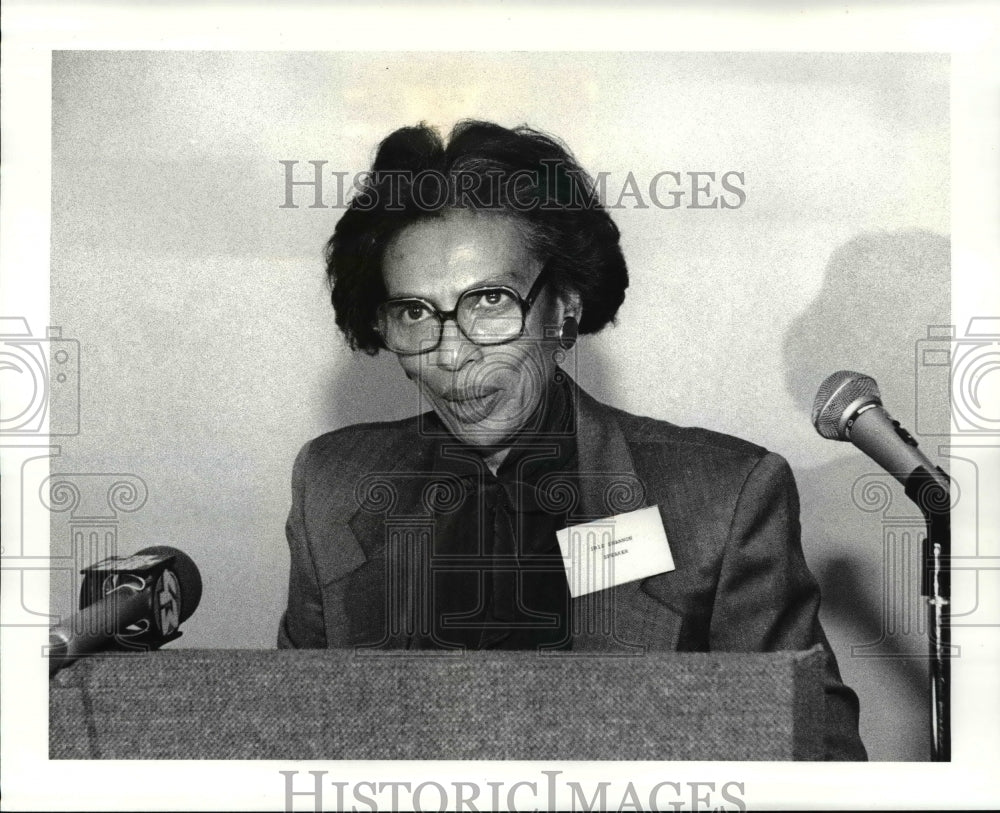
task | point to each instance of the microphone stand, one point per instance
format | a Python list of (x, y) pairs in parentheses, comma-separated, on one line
[(934, 502)]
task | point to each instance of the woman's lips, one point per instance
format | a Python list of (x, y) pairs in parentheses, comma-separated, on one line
[(466, 396), (469, 404)]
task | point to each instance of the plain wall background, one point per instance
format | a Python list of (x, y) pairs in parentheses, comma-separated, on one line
[(207, 343)]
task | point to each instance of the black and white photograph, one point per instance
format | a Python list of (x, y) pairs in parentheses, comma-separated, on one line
[(428, 422)]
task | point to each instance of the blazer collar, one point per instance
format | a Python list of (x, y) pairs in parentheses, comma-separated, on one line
[(393, 487)]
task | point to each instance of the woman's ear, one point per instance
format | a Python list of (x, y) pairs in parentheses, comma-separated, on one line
[(570, 305)]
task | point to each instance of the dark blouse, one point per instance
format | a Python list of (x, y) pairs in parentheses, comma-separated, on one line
[(497, 579)]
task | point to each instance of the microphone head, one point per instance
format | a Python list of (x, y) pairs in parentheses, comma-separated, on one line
[(188, 577), (839, 397)]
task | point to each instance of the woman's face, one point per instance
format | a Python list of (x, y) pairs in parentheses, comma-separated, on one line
[(483, 394)]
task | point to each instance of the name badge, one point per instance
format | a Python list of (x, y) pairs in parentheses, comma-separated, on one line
[(615, 550)]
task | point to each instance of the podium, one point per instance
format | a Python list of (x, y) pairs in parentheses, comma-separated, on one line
[(396, 704)]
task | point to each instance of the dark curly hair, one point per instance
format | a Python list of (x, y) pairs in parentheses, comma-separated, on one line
[(522, 173)]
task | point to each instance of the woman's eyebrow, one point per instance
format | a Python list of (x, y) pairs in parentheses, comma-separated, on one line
[(506, 280), (515, 277)]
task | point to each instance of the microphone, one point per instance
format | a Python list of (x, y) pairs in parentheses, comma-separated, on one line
[(848, 407), (133, 603)]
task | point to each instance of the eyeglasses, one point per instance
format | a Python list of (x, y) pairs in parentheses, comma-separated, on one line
[(487, 315)]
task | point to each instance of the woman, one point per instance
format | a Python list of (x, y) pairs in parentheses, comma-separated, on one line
[(478, 262)]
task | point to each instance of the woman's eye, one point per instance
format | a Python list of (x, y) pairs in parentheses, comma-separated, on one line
[(490, 299), (414, 312)]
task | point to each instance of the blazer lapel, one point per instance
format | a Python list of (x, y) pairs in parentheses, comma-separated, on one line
[(631, 617), (393, 529)]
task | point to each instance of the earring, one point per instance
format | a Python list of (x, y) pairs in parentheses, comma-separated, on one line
[(568, 331)]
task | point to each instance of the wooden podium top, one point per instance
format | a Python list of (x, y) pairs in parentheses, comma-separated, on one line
[(373, 705)]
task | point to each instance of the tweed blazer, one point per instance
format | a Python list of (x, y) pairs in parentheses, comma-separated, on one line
[(363, 501)]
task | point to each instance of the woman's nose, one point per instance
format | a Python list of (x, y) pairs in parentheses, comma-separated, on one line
[(455, 350)]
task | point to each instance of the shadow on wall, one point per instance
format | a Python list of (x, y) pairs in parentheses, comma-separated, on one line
[(880, 293)]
